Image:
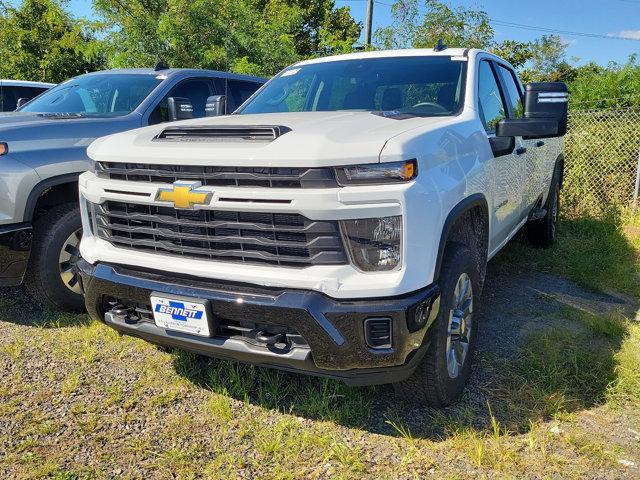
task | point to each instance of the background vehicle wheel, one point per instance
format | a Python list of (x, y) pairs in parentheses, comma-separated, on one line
[(442, 374), (543, 232), (52, 276)]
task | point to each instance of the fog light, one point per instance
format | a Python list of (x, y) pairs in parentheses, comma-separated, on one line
[(422, 315), (418, 316)]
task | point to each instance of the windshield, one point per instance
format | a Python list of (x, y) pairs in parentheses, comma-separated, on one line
[(420, 86), (101, 95)]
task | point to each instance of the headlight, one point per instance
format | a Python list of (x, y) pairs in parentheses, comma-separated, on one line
[(374, 244), (377, 173), (4, 148)]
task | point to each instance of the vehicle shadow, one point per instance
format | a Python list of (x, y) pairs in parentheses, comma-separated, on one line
[(17, 306), (541, 352)]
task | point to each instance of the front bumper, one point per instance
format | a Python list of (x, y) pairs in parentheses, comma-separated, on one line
[(319, 335), (15, 247)]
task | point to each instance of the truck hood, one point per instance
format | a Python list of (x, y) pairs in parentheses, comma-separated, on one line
[(312, 139), (35, 140), (9, 120)]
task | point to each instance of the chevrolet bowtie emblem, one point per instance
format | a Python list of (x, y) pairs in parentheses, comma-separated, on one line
[(184, 195)]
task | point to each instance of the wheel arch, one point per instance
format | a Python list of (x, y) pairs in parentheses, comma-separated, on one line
[(473, 203), (50, 192)]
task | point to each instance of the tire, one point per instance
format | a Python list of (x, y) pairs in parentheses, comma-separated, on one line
[(45, 280), (543, 232), (437, 382)]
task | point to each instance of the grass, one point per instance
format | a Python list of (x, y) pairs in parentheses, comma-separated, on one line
[(596, 254), (78, 401)]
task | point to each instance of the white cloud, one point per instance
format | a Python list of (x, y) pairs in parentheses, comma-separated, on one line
[(632, 34)]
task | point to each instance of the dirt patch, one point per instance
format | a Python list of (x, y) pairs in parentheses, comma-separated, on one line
[(76, 399)]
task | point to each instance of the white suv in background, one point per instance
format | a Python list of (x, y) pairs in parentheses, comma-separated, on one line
[(338, 224)]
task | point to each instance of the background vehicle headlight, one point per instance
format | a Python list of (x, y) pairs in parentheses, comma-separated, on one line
[(377, 173), (374, 244)]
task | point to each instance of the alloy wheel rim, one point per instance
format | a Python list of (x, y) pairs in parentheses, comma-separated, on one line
[(68, 261), (460, 326)]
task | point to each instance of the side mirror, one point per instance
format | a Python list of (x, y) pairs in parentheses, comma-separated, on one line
[(502, 145), (548, 100), (545, 113), (216, 105), (21, 102), (179, 108)]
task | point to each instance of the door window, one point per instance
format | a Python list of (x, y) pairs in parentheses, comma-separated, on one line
[(8, 98), (514, 97), (196, 90), (238, 91), (492, 108)]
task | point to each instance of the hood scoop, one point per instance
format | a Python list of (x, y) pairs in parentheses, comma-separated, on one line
[(221, 133)]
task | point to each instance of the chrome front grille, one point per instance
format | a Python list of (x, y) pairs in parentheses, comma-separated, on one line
[(266, 177), (251, 237)]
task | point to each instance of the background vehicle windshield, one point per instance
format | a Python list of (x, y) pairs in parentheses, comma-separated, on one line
[(421, 86), (102, 95)]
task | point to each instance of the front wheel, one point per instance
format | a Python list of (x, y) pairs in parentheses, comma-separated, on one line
[(442, 374), (52, 275)]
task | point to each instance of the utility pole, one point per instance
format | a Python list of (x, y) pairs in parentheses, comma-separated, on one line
[(367, 26)]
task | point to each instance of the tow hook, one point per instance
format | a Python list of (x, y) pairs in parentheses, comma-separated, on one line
[(271, 339), (125, 312)]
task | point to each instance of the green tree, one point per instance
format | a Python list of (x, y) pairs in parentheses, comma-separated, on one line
[(548, 61), (248, 36), (514, 52), (457, 27), (615, 86), (40, 40)]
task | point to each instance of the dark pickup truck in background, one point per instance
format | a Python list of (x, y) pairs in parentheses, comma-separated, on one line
[(14, 93), (43, 151)]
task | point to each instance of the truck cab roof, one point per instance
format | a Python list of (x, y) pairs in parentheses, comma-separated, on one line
[(175, 72), (25, 83), (406, 52)]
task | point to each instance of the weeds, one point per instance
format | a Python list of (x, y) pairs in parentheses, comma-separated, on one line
[(596, 254)]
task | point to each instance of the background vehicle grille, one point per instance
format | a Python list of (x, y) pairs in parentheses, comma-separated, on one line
[(220, 176), (251, 237)]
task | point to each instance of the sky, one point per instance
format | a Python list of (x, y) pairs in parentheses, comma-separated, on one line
[(620, 18)]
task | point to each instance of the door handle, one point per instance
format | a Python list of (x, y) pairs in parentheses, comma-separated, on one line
[(539, 143), (521, 150)]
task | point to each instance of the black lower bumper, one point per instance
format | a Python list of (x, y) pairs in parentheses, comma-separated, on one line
[(315, 334), (15, 246)]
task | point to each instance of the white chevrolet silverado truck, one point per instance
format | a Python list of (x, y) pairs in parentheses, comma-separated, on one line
[(338, 224)]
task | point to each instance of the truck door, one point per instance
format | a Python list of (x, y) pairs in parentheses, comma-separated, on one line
[(532, 160), (197, 90), (237, 91), (508, 170)]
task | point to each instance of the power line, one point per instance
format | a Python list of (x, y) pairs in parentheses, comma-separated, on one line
[(562, 32), (503, 23), (374, 1)]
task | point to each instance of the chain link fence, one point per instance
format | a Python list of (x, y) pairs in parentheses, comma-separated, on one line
[(602, 153)]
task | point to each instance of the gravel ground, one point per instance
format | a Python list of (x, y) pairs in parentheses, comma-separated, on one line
[(78, 401)]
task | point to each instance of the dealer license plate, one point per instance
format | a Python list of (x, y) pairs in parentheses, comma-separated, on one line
[(180, 315)]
